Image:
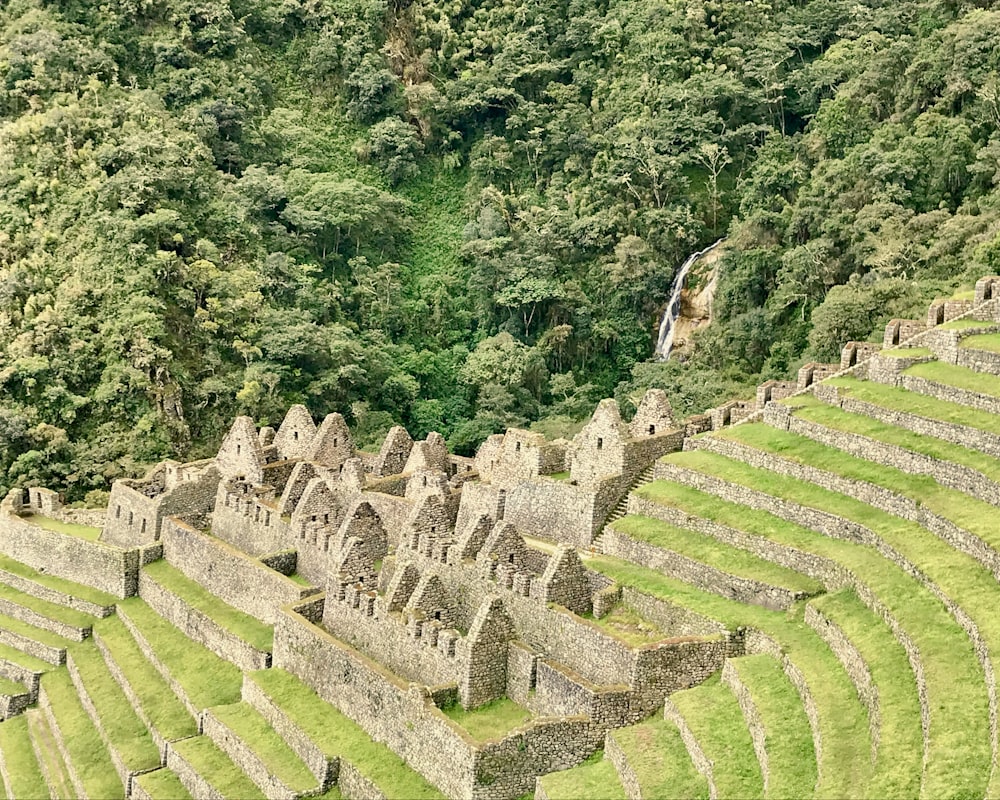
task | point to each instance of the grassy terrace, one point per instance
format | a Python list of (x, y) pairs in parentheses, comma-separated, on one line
[(33, 633), (207, 679), (126, 732), (254, 730), (963, 324), (712, 552), (58, 584), (809, 408), (715, 719), (982, 341), (788, 737), (595, 777), (907, 352), (959, 736), (162, 783), (214, 766), (10, 687), (896, 399), (897, 770), (339, 736), (15, 656), (87, 532), (968, 513), (86, 751), (629, 625), (656, 753), (250, 630), (157, 700), (954, 375), (843, 721), (23, 769), (47, 751), (69, 616), (491, 721)]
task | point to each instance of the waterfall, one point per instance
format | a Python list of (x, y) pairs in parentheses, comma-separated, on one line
[(665, 340)]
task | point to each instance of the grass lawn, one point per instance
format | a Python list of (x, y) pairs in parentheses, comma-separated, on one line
[(53, 611), (163, 783), (954, 375), (712, 552), (813, 410), (715, 719), (87, 593), (207, 679), (33, 633), (791, 756), (843, 722), (339, 736), (250, 630), (158, 701), (257, 733), (15, 656), (10, 687), (23, 769), (955, 682), (86, 751), (560, 476), (87, 532), (900, 753), (982, 341), (907, 352), (661, 763), (964, 324), (630, 626), (127, 733), (902, 400), (214, 766), (491, 721), (966, 512), (595, 777)]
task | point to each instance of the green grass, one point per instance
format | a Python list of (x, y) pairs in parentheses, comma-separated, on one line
[(661, 763), (963, 324), (15, 656), (31, 632), (842, 719), (629, 625), (959, 377), (907, 352), (214, 766), (897, 399), (162, 784), (491, 721), (900, 753), (127, 733), (87, 532), (11, 687), (53, 611), (560, 476), (87, 593), (959, 730), (257, 733), (715, 719), (22, 766), (337, 735), (966, 512), (299, 579), (809, 408), (86, 751), (712, 552), (164, 710), (982, 341), (791, 756), (250, 630), (206, 679), (594, 778)]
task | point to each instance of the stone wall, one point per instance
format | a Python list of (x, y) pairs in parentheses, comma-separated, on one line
[(249, 523), (234, 577)]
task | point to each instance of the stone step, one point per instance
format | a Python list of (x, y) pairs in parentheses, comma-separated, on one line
[(254, 746), (126, 738), (22, 668), (19, 767), (54, 589), (951, 383), (15, 697), (33, 641), (197, 676), (162, 712), (777, 722), (331, 745), (207, 772), (49, 757), (650, 760), (160, 784), (204, 618), (67, 622)]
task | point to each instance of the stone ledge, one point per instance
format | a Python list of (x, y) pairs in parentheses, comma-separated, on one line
[(701, 762), (74, 777), (42, 592), (32, 617), (49, 653), (751, 715)]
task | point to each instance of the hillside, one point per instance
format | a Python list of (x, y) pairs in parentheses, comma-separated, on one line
[(458, 218)]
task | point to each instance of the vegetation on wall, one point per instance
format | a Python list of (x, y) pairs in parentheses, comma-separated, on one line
[(460, 216)]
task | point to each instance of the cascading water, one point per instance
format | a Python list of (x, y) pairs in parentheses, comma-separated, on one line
[(665, 340)]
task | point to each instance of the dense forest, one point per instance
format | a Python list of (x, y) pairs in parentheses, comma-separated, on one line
[(460, 215)]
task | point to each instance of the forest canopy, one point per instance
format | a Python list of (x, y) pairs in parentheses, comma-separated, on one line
[(460, 215)]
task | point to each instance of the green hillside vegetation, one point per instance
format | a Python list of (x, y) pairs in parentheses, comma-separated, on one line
[(459, 217)]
